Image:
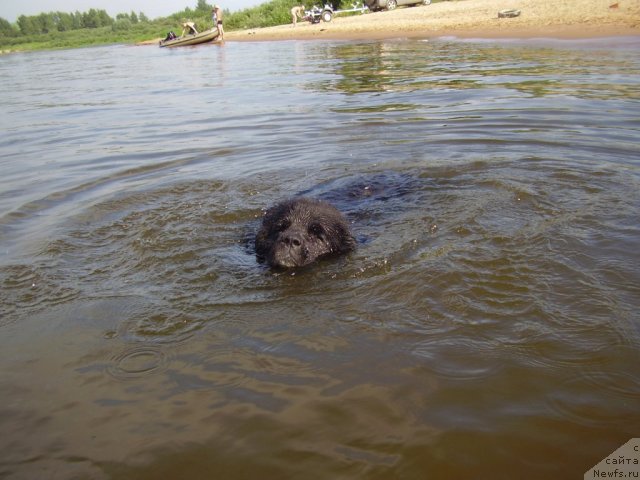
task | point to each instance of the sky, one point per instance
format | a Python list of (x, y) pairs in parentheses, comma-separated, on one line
[(11, 9)]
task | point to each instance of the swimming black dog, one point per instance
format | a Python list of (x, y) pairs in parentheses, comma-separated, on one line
[(299, 231)]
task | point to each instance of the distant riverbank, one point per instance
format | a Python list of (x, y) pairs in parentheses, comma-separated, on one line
[(459, 18), (470, 18)]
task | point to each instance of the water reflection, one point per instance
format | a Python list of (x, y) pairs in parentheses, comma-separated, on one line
[(402, 66)]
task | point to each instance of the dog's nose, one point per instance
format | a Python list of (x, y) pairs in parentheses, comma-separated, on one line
[(292, 239)]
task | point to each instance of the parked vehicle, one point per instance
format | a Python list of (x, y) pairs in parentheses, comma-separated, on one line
[(327, 12), (375, 5), (316, 14)]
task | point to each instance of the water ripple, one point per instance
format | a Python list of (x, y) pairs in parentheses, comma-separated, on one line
[(138, 361)]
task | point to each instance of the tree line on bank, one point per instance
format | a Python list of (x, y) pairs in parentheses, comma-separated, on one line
[(46, 23), (62, 30), (64, 22)]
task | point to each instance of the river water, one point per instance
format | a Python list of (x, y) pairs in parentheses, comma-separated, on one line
[(486, 326)]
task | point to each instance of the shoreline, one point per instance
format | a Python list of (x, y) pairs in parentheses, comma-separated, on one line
[(465, 19), (573, 19), (581, 33), (457, 19)]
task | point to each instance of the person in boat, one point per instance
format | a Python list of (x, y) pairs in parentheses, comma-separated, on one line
[(297, 11), (189, 26), (216, 14)]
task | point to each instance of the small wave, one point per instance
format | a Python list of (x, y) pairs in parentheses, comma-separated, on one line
[(598, 398), (137, 362), (29, 288), (161, 327), (460, 358)]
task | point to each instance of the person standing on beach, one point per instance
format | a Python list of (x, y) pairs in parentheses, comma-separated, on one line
[(297, 11), (216, 14)]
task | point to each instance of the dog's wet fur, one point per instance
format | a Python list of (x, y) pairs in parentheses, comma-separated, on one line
[(299, 231)]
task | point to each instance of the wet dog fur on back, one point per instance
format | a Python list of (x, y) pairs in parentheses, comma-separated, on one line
[(297, 232)]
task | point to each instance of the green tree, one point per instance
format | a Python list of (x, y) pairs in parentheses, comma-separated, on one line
[(143, 18), (64, 21), (77, 20), (133, 17), (6, 29), (104, 20), (121, 25), (90, 19), (45, 22), (96, 19), (203, 7), (27, 25)]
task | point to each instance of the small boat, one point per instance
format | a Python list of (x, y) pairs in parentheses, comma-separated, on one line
[(191, 39)]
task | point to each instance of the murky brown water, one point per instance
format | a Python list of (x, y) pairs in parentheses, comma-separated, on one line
[(486, 326)]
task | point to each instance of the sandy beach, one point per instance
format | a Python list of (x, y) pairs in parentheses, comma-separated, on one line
[(469, 19)]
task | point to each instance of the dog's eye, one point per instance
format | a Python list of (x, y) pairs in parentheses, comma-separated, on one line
[(282, 226), (316, 229)]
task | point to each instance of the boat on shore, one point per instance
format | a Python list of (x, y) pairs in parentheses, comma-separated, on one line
[(191, 39)]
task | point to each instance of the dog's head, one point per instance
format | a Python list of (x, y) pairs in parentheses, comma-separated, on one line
[(297, 232)]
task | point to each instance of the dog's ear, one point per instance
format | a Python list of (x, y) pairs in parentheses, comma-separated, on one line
[(344, 240)]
